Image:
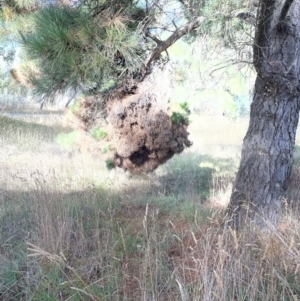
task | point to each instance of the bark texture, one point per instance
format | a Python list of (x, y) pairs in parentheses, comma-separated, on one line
[(268, 146)]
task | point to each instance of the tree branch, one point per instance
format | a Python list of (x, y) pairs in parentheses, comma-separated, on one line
[(263, 26), (164, 45), (189, 7), (184, 3), (152, 37), (286, 6)]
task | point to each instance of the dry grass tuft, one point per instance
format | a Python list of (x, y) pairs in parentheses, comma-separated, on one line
[(72, 230)]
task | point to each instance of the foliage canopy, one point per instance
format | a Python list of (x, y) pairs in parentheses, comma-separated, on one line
[(74, 50), (92, 45)]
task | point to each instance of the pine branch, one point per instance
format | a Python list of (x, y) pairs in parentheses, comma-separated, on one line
[(152, 37), (188, 7), (286, 6), (184, 3), (263, 27), (164, 45)]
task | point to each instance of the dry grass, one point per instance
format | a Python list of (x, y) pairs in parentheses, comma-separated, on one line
[(71, 230)]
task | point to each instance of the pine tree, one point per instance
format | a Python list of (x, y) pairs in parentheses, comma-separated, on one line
[(95, 45)]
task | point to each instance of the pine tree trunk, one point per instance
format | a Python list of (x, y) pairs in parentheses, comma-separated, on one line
[(268, 146), (266, 156)]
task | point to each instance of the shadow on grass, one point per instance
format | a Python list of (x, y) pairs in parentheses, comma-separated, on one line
[(94, 243), (100, 233), (27, 136), (24, 210), (10, 128), (193, 173), (67, 220), (176, 190)]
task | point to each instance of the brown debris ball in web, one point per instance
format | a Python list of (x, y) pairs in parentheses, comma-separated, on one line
[(143, 133)]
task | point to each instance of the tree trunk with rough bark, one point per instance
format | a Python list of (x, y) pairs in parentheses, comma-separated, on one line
[(268, 146)]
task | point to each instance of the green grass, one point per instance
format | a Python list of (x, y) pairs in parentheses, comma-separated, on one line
[(26, 136), (67, 140), (72, 230), (98, 133)]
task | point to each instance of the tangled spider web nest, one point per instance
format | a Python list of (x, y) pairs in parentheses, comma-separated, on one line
[(143, 132), (140, 126)]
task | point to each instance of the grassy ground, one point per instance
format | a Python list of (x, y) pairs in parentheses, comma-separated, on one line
[(72, 230)]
